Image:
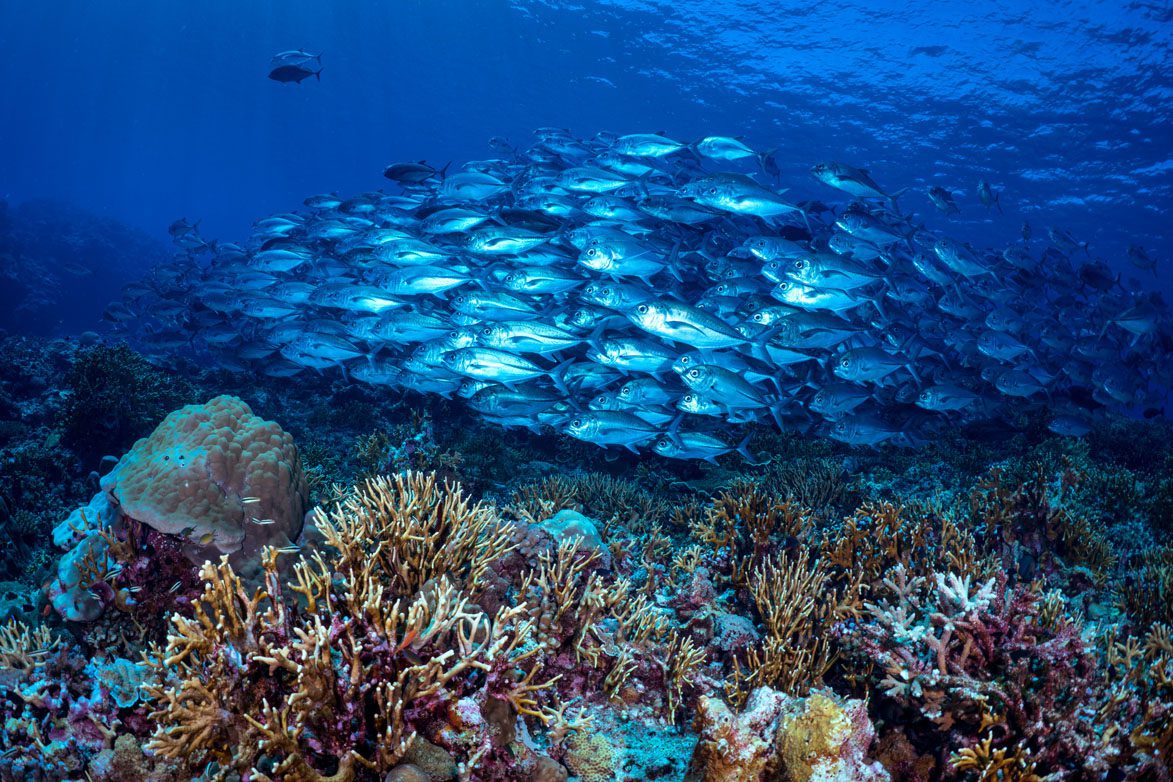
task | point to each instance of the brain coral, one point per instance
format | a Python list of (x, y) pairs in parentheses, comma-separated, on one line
[(218, 476)]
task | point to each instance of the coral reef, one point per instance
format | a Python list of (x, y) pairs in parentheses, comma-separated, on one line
[(980, 613)]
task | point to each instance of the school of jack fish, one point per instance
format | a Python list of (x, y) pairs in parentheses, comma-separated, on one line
[(628, 291)]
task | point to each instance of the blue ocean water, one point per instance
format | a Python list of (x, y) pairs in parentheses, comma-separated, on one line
[(675, 408), (149, 111)]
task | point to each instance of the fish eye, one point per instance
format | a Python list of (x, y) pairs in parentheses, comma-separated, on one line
[(487, 330), (800, 264), (591, 252), (694, 373), (576, 422), (784, 285), (712, 191), (757, 317), (643, 309), (845, 362)]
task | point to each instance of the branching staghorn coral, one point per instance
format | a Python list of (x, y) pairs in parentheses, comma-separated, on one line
[(334, 683), (1137, 709), (535, 502), (996, 765), (879, 536), (613, 501), (683, 661), (979, 660), (23, 648), (595, 626), (799, 604), (419, 530), (817, 482), (1149, 598), (745, 524)]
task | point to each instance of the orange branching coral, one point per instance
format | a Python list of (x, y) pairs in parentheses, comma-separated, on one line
[(533, 502), (419, 530), (598, 621), (1140, 673), (819, 483), (23, 648), (1032, 516), (566, 600), (1150, 598), (1085, 546), (996, 765), (875, 538), (745, 524), (619, 500), (683, 662), (263, 684), (879, 536), (799, 604), (610, 500)]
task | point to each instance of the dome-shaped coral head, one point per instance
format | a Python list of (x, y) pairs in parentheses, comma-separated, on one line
[(223, 480)]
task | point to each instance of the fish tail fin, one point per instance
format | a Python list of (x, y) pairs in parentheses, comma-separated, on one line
[(762, 157), (594, 338), (806, 221), (743, 448), (776, 414), (641, 185), (674, 428), (558, 376), (893, 198), (674, 261)]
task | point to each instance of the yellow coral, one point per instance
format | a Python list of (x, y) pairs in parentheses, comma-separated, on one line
[(23, 648), (256, 674), (813, 737), (996, 765), (799, 604), (418, 529), (745, 523), (591, 757)]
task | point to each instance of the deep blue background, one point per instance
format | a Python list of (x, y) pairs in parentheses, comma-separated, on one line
[(149, 110)]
